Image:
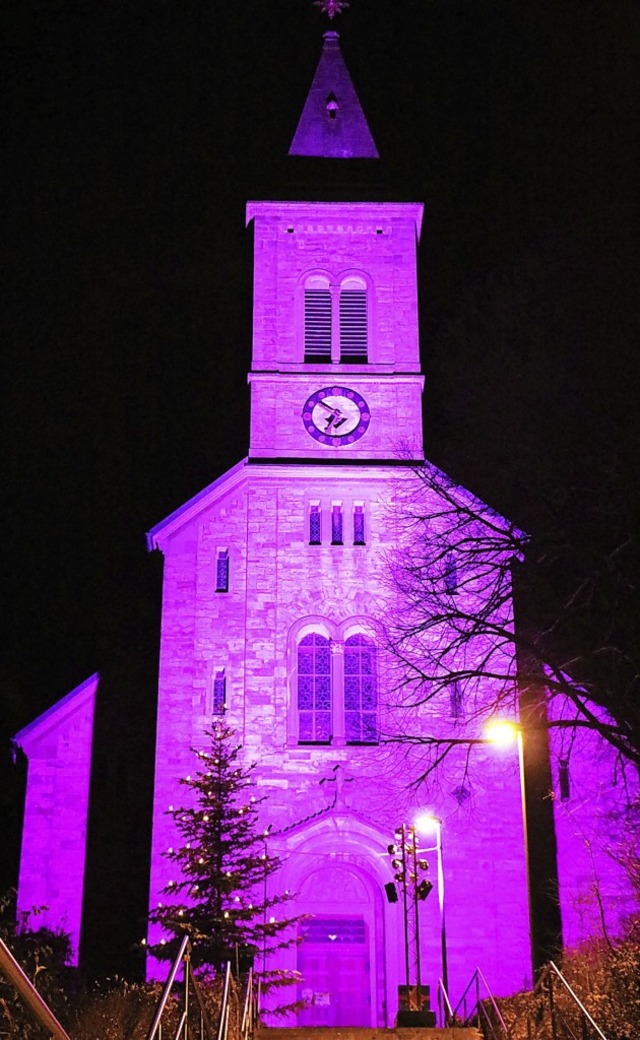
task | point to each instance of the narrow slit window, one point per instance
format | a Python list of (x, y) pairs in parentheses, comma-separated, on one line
[(358, 525), (457, 700), (450, 574), (564, 780), (219, 693), (222, 570), (315, 524), (353, 322), (336, 525), (317, 321)]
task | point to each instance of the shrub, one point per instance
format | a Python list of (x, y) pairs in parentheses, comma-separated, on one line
[(42, 954)]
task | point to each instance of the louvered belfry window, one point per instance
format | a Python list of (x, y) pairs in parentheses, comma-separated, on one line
[(317, 321), (353, 322), (336, 321)]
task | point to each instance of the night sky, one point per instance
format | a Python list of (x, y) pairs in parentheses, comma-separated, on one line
[(136, 133)]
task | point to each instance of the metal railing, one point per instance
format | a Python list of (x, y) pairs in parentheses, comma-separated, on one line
[(223, 1018), (29, 994), (445, 1011), (559, 1019), (552, 1011), (184, 1030), (250, 1009), (477, 1007)]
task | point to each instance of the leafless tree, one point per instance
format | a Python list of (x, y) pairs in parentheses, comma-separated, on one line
[(454, 640)]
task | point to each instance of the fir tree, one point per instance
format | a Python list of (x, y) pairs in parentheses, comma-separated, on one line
[(219, 893)]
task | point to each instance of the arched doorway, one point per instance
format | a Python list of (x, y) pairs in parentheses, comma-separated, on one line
[(337, 957)]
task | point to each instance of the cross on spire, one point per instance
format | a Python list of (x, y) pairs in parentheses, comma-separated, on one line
[(331, 7)]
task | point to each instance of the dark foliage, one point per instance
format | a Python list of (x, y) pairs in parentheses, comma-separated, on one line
[(43, 955)]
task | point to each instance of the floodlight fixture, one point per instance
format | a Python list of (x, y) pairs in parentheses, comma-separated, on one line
[(391, 892), (423, 889)]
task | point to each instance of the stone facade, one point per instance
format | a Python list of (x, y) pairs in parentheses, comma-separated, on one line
[(290, 550), (593, 792), (58, 747), (333, 805)]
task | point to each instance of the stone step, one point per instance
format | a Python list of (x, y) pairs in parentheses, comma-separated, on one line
[(360, 1033)]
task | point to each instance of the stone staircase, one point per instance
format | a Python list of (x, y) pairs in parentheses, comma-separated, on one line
[(359, 1033)]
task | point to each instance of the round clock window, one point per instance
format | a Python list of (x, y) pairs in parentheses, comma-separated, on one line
[(336, 416)]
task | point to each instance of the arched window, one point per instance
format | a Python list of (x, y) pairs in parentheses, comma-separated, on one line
[(317, 320), (353, 321), (314, 689), (360, 690)]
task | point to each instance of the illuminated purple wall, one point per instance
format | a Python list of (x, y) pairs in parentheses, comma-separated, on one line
[(289, 550), (283, 589), (593, 791), (58, 749)]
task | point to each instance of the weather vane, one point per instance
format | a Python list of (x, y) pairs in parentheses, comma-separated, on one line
[(331, 7)]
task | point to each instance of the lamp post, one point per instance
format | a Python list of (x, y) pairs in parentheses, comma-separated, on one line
[(425, 823), (265, 857), (504, 734)]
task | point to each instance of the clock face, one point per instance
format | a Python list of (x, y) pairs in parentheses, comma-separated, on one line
[(336, 415)]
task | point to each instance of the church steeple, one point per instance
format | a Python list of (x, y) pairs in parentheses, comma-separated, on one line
[(332, 124)]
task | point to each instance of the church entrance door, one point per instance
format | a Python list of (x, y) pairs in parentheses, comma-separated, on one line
[(341, 967), (335, 964)]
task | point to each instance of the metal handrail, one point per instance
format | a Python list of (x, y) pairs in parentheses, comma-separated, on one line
[(444, 1004), (495, 1023), (223, 1020), (478, 1009), (249, 1011), (162, 1003), (189, 981), (551, 969), (25, 989)]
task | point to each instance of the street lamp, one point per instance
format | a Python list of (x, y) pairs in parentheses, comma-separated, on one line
[(427, 823), (265, 858), (504, 734)]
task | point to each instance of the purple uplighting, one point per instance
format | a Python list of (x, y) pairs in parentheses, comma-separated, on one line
[(276, 580)]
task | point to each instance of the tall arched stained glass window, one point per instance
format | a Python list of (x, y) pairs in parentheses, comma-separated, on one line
[(360, 690), (314, 689)]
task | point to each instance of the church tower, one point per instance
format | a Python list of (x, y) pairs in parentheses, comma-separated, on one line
[(275, 578), (276, 583)]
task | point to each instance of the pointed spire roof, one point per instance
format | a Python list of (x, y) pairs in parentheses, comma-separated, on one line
[(332, 124)]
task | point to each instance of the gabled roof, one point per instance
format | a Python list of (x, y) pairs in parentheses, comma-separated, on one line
[(332, 124), (157, 536), (447, 487), (82, 696)]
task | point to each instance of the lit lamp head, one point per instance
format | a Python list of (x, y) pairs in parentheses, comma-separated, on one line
[(502, 733), (427, 823)]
